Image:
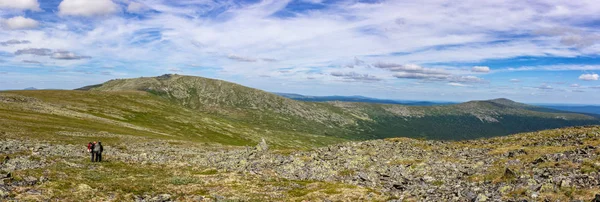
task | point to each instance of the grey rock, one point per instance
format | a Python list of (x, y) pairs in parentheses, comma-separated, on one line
[(161, 198)]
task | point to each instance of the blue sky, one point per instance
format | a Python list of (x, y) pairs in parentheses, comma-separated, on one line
[(528, 51)]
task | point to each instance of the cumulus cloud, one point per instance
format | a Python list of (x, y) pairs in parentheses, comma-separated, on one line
[(19, 22), (241, 58), (87, 8), (575, 85), (14, 42), (480, 69), (20, 4), (515, 80), (412, 71), (66, 55), (589, 77), (353, 76)]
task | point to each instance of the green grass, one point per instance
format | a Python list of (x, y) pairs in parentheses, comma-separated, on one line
[(134, 114), (204, 110)]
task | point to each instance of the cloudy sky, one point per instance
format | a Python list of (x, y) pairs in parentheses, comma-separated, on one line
[(529, 51)]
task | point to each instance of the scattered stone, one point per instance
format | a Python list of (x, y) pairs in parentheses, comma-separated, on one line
[(505, 189), (262, 146), (34, 192), (3, 193), (161, 198), (481, 198), (565, 183), (30, 180), (84, 188), (43, 179)]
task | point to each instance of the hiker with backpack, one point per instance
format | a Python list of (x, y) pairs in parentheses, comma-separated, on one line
[(97, 150)]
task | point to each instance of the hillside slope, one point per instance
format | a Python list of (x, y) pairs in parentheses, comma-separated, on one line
[(348, 119), (238, 103), (468, 120), (213, 111), (60, 115)]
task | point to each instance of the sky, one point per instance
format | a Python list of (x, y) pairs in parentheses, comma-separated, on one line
[(528, 51)]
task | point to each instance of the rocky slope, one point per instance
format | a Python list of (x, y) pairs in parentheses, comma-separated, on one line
[(553, 165)]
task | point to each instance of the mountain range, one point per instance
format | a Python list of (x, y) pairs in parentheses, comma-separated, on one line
[(586, 109), (214, 111)]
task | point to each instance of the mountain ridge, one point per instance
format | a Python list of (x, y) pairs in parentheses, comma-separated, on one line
[(486, 118)]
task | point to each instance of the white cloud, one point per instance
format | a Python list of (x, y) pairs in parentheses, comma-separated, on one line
[(353, 76), (87, 8), (66, 55), (20, 22), (571, 36), (318, 43), (457, 84), (575, 85), (545, 87), (480, 69), (515, 80), (241, 58), (589, 77), (552, 68), (136, 7), (20, 4), (174, 69)]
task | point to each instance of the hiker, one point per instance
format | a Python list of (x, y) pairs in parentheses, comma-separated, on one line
[(91, 150), (98, 149), (89, 147)]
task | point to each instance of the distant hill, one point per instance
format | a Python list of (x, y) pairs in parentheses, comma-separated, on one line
[(588, 109), (213, 111), (358, 98), (30, 88)]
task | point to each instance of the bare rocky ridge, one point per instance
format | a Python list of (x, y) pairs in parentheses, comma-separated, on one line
[(560, 164)]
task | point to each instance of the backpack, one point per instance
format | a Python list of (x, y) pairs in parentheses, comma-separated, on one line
[(98, 147)]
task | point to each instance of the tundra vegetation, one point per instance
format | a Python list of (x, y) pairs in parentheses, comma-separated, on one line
[(189, 138)]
